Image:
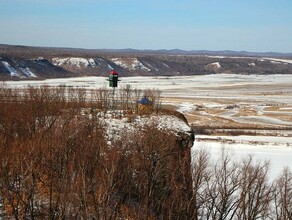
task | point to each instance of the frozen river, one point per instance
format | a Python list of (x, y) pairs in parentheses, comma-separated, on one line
[(279, 155)]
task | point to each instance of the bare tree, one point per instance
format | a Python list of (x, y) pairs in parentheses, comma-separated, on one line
[(223, 188), (283, 196), (255, 191)]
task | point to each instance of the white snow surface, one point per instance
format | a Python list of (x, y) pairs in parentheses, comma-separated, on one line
[(277, 153), (27, 72), (130, 64), (91, 62), (164, 64), (261, 119), (220, 57), (185, 107), (267, 140), (116, 126), (275, 60), (249, 57), (205, 86), (74, 61), (110, 67), (216, 64), (10, 69)]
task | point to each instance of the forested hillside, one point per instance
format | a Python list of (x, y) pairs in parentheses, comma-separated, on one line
[(19, 62)]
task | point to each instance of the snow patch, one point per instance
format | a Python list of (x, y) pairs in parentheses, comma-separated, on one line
[(130, 64), (279, 61), (216, 64), (262, 120), (164, 64), (220, 57), (91, 62), (185, 107), (251, 64), (10, 69), (267, 140), (276, 62), (288, 108), (115, 126), (74, 61), (27, 72), (151, 67)]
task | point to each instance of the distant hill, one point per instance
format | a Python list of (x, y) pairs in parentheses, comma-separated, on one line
[(24, 62)]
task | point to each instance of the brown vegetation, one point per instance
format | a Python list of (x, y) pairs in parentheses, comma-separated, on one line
[(56, 164)]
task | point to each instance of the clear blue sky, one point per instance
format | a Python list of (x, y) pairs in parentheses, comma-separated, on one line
[(252, 25)]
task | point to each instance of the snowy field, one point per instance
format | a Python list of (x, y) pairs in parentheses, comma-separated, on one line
[(257, 103), (214, 99)]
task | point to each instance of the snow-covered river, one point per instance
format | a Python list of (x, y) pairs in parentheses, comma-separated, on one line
[(279, 155)]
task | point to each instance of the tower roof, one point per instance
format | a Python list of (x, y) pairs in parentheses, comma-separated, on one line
[(145, 101), (113, 72)]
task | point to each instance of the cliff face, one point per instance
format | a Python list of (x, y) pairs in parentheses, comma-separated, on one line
[(70, 153), (158, 152)]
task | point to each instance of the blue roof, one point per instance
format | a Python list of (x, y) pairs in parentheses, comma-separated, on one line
[(145, 101)]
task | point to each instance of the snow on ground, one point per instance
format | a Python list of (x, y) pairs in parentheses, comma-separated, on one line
[(137, 65), (169, 83), (216, 64), (217, 86), (74, 61), (263, 140), (120, 62), (185, 107), (116, 126), (261, 119), (151, 67), (91, 62), (27, 72), (220, 57), (276, 62), (226, 95), (164, 64), (279, 61), (130, 63), (10, 69), (279, 155), (288, 108)]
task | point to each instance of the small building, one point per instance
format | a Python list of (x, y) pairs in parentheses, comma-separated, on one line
[(145, 106)]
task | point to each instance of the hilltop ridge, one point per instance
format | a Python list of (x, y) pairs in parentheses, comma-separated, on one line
[(24, 62)]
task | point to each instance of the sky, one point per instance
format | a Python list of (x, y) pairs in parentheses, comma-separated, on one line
[(241, 25)]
